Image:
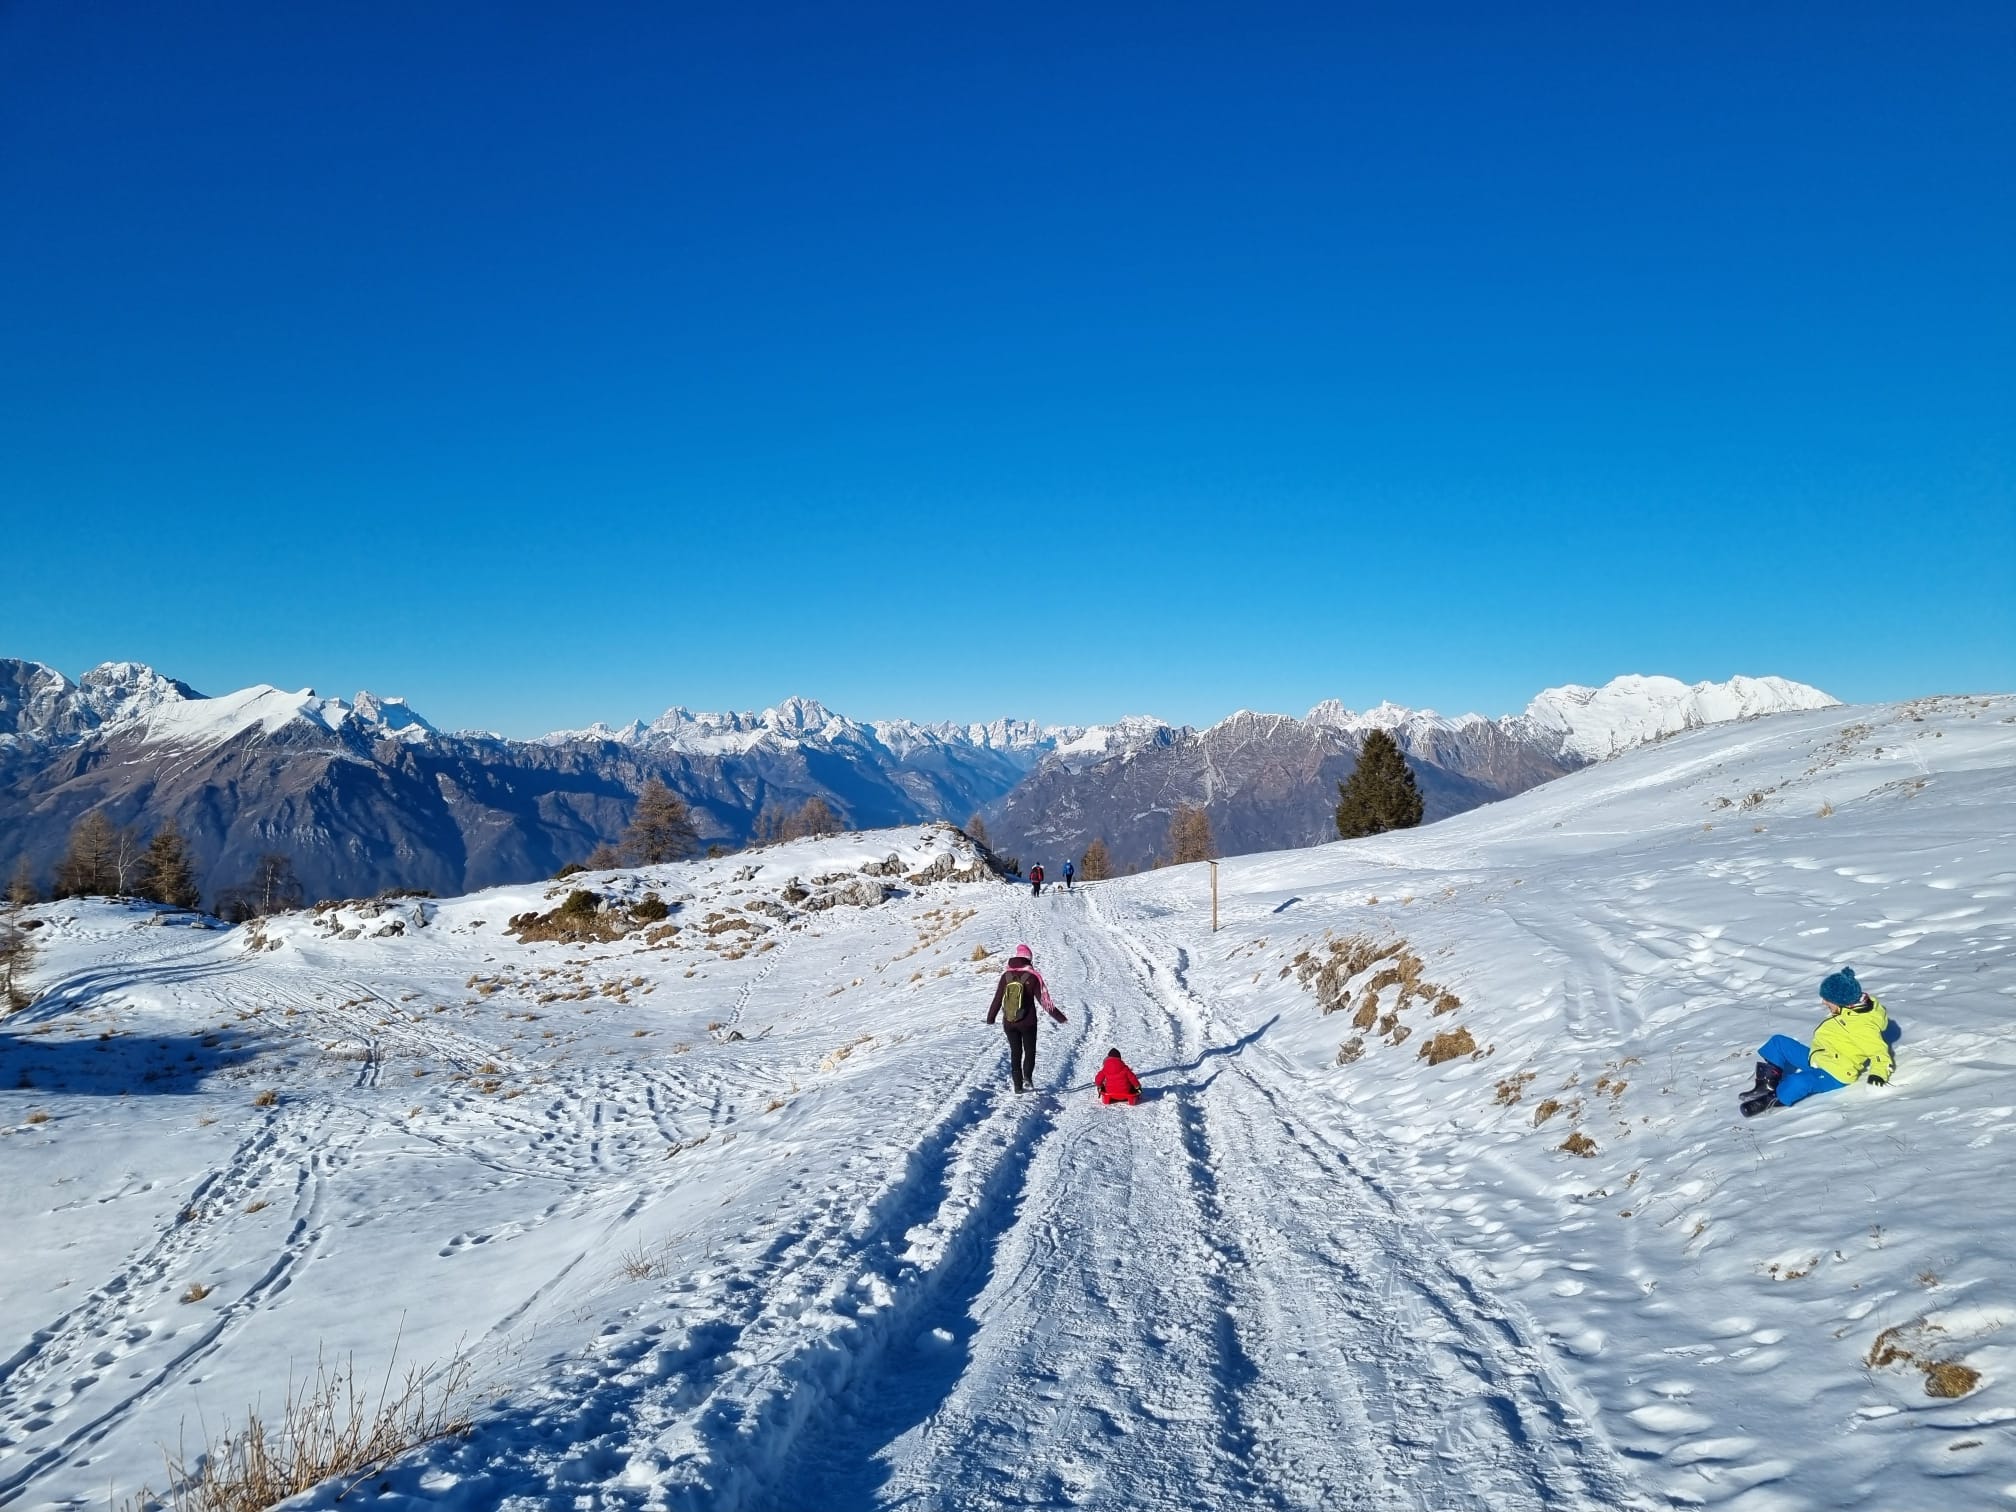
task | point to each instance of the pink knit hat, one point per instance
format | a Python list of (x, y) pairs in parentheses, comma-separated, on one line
[(1023, 953)]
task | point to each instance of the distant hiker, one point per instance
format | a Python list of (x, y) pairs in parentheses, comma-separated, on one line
[(1116, 1081), (1070, 870), (1852, 1039), (1016, 997), (1036, 880)]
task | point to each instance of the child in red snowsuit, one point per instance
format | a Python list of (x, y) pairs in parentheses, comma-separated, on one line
[(1117, 1083)]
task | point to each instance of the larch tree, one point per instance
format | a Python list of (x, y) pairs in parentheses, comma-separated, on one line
[(1380, 795), (164, 873), (976, 830), (91, 864), (1190, 835), (1096, 865), (661, 829)]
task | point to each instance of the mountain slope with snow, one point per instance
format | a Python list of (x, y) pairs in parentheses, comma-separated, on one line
[(734, 1210)]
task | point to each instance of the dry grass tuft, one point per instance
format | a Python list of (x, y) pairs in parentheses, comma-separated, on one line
[(266, 1099), (980, 953), (1512, 1088), (1578, 1143), (37, 1117), (256, 1206), (637, 1263), (196, 1292), (1448, 1045), (1906, 1344), (327, 1429), (1949, 1378), (1546, 1110)]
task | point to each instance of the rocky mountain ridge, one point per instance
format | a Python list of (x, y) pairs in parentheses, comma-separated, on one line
[(366, 794)]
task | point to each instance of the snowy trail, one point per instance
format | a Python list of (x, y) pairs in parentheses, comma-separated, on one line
[(1196, 1302)]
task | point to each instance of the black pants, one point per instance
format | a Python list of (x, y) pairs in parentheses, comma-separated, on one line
[(1022, 1056), (1036, 887)]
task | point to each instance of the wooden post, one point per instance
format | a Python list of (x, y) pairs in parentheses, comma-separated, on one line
[(1214, 897)]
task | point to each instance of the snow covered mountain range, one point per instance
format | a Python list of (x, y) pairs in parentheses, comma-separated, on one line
[(366, 794)]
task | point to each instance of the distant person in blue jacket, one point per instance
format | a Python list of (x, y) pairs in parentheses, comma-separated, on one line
[(1070, 871)]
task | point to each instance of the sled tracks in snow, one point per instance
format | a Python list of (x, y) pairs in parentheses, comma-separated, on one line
[(1434, 1394)]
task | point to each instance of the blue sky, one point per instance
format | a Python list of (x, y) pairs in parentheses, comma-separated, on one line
[(553, 363)]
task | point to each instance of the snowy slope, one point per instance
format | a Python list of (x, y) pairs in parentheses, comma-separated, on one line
[(742, 1215)]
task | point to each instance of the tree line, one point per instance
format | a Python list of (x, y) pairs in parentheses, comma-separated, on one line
[(1379, 795)]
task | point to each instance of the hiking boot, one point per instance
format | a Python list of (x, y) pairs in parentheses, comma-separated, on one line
[(1767, 1079), (1759, 1100)]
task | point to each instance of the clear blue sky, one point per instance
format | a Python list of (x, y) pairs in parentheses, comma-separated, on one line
[(546, 363)]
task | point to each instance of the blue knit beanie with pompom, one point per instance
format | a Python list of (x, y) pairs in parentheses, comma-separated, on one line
[(1841, 989)]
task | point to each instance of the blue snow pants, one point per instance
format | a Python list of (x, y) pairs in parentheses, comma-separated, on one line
[(1802, 1078)]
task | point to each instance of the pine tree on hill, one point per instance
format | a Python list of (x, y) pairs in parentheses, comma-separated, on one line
[(661, 829), (1380, 795)]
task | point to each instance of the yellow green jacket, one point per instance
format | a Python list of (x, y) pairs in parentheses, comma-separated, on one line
[(1851, 1042)]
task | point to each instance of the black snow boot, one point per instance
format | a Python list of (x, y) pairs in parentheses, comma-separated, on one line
[(1759, 1100), (1768, 1077)]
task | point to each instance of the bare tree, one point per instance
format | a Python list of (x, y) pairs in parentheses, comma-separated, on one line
[(976, 829), (16, 948), (1096, 865), (21, 889), (816, 817), (1190, 835), (89, 865), (164, 874), (605, 857), (270, 889), (661, 829)]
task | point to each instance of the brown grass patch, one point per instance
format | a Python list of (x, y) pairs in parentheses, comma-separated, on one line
[(1907, 1344), (1512, 1088), (266, 1099), (258, 1206), (1578, 1143), (37, 1117), (1546, 1110), (196, 1291), (980, 953), (328, 1429), (1448, 1045), (1949, 1378)]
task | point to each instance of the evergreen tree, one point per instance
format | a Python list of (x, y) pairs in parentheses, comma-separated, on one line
[(1380, 795), (165, 876), (661, 829), (1096, 865), (1190, 835)]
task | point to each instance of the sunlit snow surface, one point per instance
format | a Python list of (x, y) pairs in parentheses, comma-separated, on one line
[(880, 1279)]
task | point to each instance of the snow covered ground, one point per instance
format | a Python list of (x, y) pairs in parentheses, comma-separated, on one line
[(742, 1215)]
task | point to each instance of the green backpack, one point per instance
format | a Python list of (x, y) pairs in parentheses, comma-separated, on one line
[(1014, 1005)]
